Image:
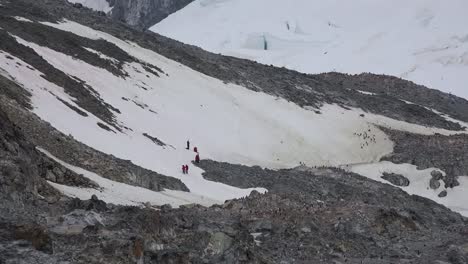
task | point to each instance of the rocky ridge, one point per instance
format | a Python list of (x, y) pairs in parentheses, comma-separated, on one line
[(142, 14)]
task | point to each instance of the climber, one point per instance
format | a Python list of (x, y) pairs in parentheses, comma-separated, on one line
[(186, 169), (183, 169), (188, 144), (195, 149), (197, 158)]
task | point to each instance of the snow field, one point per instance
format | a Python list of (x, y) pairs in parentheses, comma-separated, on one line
[(424, 41)]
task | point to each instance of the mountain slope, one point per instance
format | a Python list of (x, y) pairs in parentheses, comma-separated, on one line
[(421, 41), (90, 108), (102, 89)]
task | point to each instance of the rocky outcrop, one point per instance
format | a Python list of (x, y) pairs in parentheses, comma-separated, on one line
[(434, 184), (396, 179), (443, 194), (142, 14), (448, 153)]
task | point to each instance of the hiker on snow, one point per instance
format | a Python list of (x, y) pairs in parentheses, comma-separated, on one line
[(188, 144), (183, 169), (186, 169), (195, 149), (197, 158)]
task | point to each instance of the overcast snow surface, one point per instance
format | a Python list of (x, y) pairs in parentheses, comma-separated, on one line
[(226, 122), (425, 41)]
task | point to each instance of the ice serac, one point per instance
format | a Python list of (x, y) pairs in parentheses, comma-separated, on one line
[(422, 41)]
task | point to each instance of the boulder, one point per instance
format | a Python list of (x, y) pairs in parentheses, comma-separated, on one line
[(451, 181), (437, 175), (442, 194), (396, 179), (219, 243), (50, 176), (434, 184), (455, 255), (37, 236), (166, 207)]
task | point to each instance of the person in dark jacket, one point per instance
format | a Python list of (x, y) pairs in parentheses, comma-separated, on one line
[(188, 144), (195, 149), (183, 169), (186, 169), (197, 158)]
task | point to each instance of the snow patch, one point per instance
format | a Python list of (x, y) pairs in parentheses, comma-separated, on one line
[(97, 5), (366, 93), (22, 19)]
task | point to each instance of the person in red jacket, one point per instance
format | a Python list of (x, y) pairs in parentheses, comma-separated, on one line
[(197, 158), (183, 169), (186, 169), (195, 149)]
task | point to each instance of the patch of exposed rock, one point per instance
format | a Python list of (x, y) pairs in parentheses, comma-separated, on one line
[(448, 153), (396, 179), (142, 14)]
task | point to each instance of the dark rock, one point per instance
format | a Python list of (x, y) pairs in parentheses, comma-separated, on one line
[(155, 140), (218, 244), (96, 204), (437, 175), (396, 179), (455, 255), (448, 153), (105, 127), (166, 207), (142, 14), (451, 181), (434, 184), (37, 235), (443, 194), (50, 176)]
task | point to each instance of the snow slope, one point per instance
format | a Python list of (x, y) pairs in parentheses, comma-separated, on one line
[(226, 122), (124, 194), (97, 5), (425, 41)]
